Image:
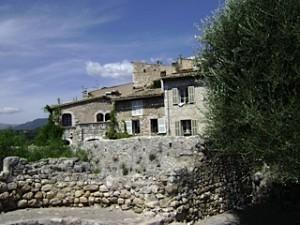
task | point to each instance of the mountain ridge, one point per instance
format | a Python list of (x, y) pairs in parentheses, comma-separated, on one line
[(31, 125)]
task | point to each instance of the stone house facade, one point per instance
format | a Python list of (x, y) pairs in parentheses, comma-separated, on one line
[(162, 100), (184, 103), (142, 113)]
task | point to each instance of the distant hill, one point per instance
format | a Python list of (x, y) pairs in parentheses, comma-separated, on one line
[(32, 125), (5, 126)]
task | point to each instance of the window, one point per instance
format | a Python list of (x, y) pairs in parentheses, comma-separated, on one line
[(136, 127), (137, 108), (183, 95), (158, 126), (66, 120), (100, 117), (154, 126), (186, 127), (132, 126), (107, 117)]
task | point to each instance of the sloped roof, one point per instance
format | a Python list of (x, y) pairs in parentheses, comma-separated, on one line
[(123, 90), (180, 74), (141, 93), (105, 92)]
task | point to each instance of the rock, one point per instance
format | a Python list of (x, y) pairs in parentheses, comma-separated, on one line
[(25, 188), (121, 201), (4, 195), (149, 214), (60, 196), (103, 188), (47, 187), (105, 201), (172, 189), (11, 186), (125, 207), (83, 200), (160, 196), (174, 204), (3, 187), (91, 187), (34, 203), (28, 195), (38, 195), (36, 187), (50, 194), (137, 210), (125, 194), (164, 203), (152, 204), (55, 202), (8, 164), (78, 193), (22, 203), (138, 202)]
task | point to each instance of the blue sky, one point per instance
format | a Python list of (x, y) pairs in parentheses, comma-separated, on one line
[(51, 49)]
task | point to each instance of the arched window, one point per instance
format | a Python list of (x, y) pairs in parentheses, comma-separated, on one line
[(100, 117), (66, 120), (107, 117)]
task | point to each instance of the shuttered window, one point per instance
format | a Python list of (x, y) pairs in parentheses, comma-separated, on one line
[(194, 127), (175, 96), (191, 94), (161, 125), (177, 128), (128, 126)]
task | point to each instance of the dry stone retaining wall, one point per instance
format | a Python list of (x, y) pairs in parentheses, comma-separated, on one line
[(211, 185)]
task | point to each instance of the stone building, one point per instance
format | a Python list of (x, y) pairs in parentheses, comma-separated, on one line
[(183, 100), (162, 100)]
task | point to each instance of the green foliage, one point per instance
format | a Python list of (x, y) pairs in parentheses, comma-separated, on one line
[(112, 132), (36, 153), (54, 113), (50, 134), (156, 84), (11, 144), (250, 63), (96, 170), (82, 154)]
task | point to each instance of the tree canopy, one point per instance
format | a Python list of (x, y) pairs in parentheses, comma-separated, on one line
[(250, 60)]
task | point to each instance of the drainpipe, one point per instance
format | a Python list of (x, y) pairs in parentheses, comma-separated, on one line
[(168, 113)]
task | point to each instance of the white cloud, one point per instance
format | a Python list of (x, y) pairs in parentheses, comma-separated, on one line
[(9, 110), (111, 70)]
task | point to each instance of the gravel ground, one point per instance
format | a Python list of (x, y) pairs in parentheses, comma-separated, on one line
[(72, 216), (94, 216)]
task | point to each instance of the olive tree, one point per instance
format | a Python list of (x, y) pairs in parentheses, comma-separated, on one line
[(250, 62)]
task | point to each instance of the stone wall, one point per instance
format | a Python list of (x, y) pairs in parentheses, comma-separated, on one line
[(144, 74), (191, 182), (153, 155)]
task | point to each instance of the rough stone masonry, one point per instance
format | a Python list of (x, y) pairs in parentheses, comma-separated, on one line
[(176, 178)]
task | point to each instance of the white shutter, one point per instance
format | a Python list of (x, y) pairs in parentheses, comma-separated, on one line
[(161, 125), (191, 93), (128, 126), (177, 128), (194, 127), (175, 96)]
